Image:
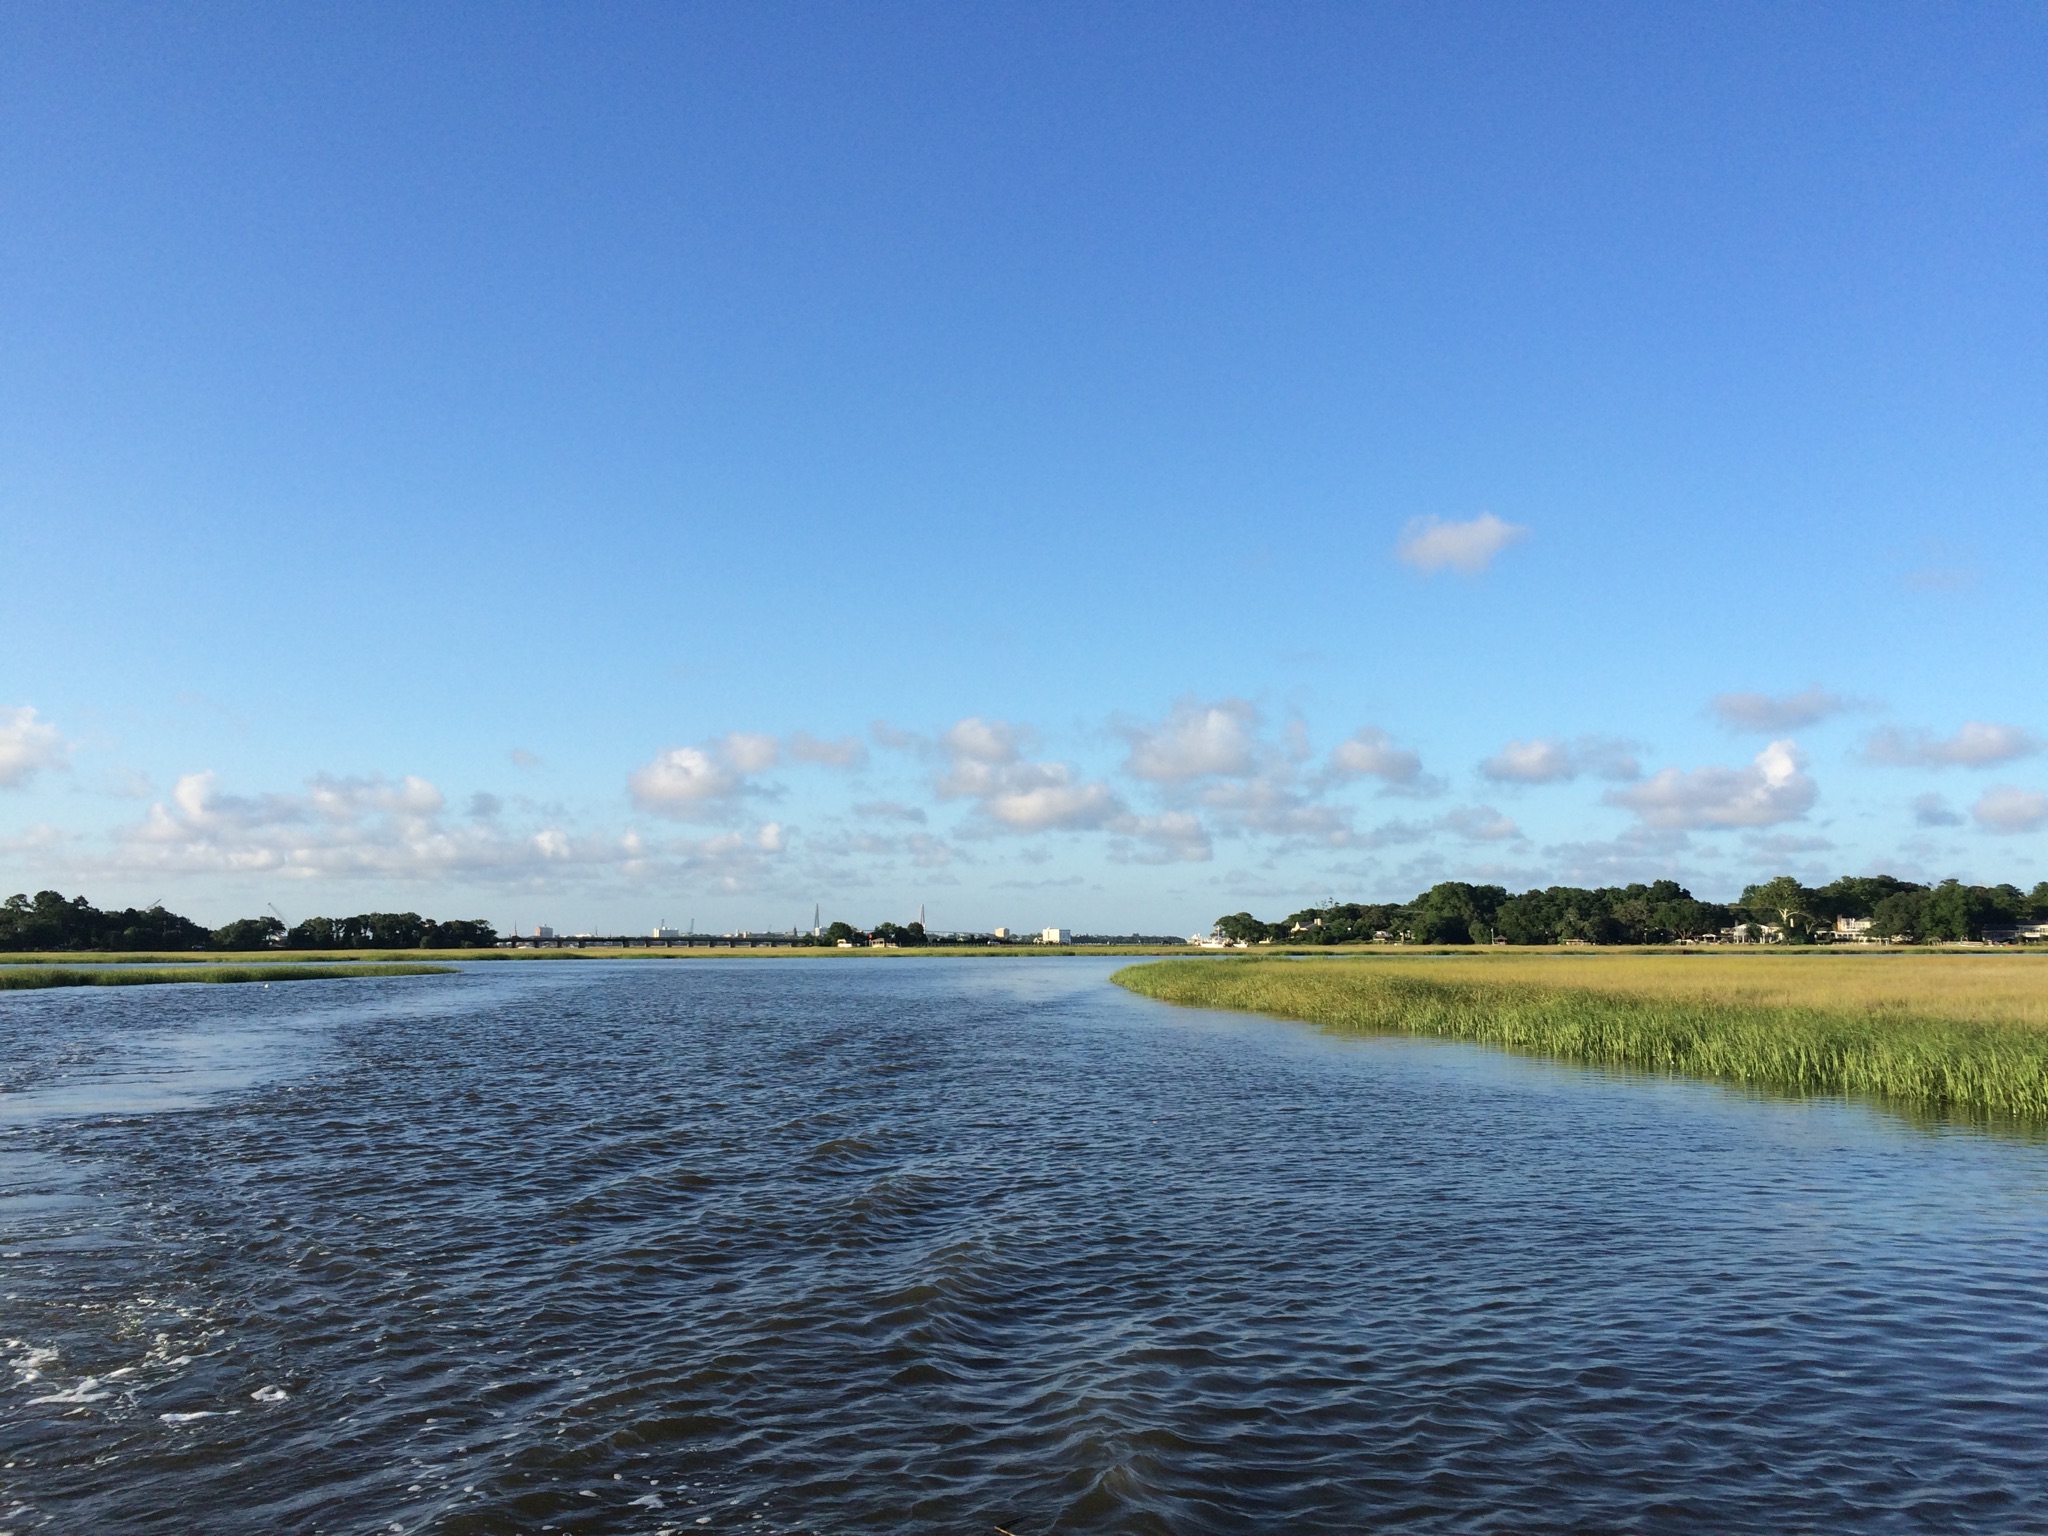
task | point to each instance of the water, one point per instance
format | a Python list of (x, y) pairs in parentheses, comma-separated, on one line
[(946, 1246)]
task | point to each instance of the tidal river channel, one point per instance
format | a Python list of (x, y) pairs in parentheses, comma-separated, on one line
[(951, 1245)]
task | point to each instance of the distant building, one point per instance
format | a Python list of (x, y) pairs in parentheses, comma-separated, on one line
[(1853, 930), (543, 932), (1056, 936), (667, 935), (1002, 933), (1753, 933), (2017, 933)]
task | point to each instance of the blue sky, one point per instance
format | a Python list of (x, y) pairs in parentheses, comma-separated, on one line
[(1080, 465)]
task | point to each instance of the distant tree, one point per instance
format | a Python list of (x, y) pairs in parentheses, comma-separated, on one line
[(1783, 901), (1243, 928), (391, 930), (1338, 923), (1530, 918), (249, 933), (1587, 917), (313, 933), (55, 922), (461, 933), (1953, 912), (1857, 895), (839, 932), (1453, 912), (1690, 919), (1897, 916), (1635, 916), (1658, 913)]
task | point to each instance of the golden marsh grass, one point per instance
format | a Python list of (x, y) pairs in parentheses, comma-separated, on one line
[(1944, 1031), (36, 977)]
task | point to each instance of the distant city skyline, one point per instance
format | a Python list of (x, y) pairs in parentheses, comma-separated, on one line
[(1062, 468)]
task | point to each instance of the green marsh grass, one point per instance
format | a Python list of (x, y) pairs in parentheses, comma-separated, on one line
[(1939, 1032), (14, 979)]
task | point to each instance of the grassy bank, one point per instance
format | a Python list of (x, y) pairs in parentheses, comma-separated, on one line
[(1947, 1032), (14, 979)]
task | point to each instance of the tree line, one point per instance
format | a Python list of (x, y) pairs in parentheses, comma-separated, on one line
[(50, 921), (1781, 910)]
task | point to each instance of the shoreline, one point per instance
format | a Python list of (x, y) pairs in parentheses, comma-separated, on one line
[(32, 978), (1943, 1049)]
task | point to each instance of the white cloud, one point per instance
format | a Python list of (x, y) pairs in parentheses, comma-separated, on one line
[(1431, 544), (28, 745), (748, 751), (1212, 758), (2009, 809), (368, 826), (986, 765), (986, 742), (680, 777), (1052, 803), (1369, 753), (702, 781), (1546, 760), (1772, 789), (1979, 744), (1196, 740), (1775, 714)]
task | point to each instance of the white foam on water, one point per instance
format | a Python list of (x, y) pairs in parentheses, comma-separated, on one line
[(203, 1413), (270, 1394), (81, 1393)]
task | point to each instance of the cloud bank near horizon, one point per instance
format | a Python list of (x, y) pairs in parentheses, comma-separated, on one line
[(1239, 798)]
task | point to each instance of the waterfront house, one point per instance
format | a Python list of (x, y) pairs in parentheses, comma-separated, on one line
[(2017, 933)]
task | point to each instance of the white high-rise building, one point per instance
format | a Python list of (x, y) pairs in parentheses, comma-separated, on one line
[(1057, 936)]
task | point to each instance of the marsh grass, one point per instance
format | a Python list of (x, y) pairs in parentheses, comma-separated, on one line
[(13, 979), (1940, 1032)]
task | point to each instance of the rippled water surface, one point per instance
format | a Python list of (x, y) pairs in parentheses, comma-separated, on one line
[(938, 1246)]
